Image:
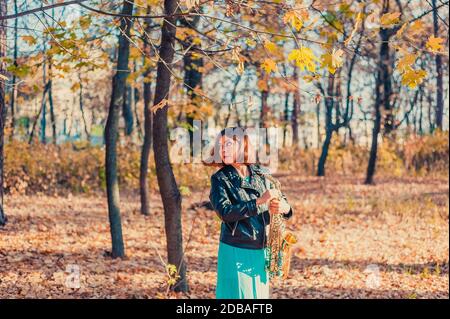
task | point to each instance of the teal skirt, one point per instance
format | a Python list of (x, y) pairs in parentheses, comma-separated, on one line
[(241, 273)]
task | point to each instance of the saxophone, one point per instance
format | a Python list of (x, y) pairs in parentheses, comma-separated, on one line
[(278, 251)]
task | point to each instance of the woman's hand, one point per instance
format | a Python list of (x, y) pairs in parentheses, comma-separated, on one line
[(278, 207), (267, 196)]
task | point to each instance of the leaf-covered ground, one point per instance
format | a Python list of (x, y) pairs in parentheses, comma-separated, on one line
[(355, 241)]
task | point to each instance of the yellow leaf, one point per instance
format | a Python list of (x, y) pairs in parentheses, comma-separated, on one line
[(388, 20), (412, 77), (191, 3), (416, 27), (159, 106), (85, 22), (309, 78), (401, 30), (304, 58), (197, 41), (435, 44), (135, 53), (239, 59), (270, 46), (295, 19), (262, 85), (357, 23), (406, 62), (240, 68), (269, 65), (29, 39), (333, 60), (153, 2)]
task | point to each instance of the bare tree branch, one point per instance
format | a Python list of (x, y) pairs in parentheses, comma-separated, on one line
[(28, 12)]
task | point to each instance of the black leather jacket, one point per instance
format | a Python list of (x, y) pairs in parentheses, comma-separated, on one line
[(234, 200)]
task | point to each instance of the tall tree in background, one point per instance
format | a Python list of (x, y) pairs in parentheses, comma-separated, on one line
[(148, 117), (383, 93), (127, 110), (170, 193), (295, 110), (192, 75), (14, 78), (112, 133), (439, 72), (2, 104), (330, 101)]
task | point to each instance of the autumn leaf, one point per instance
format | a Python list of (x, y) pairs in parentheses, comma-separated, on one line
[(270, 46), (2, 77), (85, 22), (415, 28), (262, 85), (29, 39), (310, 78), (191, 3), (388, 20), (269, 65), (240, 68), (239, 59), (406, 62), (295, 19), (355, 28), (401, 30), (333, 60), (412, 77), (159, 106), (435, 44), (304, 58), (153, 2), (372, 20)]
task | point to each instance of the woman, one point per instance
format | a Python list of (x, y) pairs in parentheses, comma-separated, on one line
[(244, 204)]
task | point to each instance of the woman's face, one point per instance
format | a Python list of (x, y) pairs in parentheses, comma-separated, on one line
[(228, 150)]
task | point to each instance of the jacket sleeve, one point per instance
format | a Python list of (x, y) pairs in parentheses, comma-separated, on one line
[(223, 206)]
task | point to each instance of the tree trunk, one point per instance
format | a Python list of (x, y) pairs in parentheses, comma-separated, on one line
[(83, 115), (324, 153), (50, 102), (233, 99), (170, 193), (44, 120), (136, 98), (386, 65), (3, 11), (286, 117), (439, 74), (329, 127), (33, 128), (112, 133), (374, 146), (127, 111), (192, 75), (264, 108), (319, 136), (430, 112), (421, 113), (148, 117), (383, 93), (14, 78), (295, 110)]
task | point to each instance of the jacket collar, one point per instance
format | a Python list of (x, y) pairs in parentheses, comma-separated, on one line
[(237, 180)]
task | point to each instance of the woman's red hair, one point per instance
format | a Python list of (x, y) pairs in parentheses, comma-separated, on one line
[(238, 134)]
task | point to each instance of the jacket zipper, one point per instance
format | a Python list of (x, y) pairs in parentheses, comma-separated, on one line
[(264, 237), (235, 226)]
